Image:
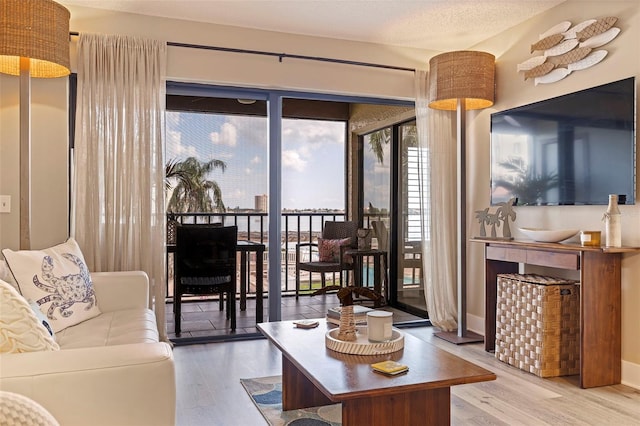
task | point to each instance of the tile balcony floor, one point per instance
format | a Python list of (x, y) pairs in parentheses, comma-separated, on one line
[(203, 319)]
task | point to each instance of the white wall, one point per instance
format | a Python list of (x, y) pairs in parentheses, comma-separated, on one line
[(622, 61), (261, 71), (49, 161)]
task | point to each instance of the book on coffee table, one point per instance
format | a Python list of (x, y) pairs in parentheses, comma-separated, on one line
[(359, 313), (336, 321), (390, 368), (306, 323)]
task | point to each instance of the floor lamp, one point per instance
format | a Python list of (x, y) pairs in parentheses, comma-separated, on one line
[(461, 81), (34, 42)]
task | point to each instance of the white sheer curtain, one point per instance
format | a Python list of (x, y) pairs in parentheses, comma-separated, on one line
[(118, 185), (437, 158)]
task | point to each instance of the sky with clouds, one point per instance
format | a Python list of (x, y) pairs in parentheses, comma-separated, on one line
[(312, 157)]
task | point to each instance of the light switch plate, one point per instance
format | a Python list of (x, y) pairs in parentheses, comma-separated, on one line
[(5, 203)]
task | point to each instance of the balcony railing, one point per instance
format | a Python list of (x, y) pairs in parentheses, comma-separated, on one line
[(296, 227), (253, 226)]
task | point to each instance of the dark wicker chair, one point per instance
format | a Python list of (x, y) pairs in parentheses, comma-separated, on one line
[(332, 231), (205, 263)]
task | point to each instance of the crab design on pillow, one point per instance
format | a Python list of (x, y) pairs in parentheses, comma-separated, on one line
[(67, 290)]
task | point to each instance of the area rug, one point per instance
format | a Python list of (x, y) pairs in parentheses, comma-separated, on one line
[(266, 394)]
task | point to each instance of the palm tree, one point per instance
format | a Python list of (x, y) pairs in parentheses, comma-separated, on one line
[(527, 186), (483, 216), (506, 212), (172, 170), (494, 220), (377, 141), (193, 191)]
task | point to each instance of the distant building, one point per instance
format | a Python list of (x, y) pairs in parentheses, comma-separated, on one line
[(261, 202)]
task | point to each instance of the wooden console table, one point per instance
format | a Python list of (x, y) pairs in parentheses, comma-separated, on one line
[(600, 297)]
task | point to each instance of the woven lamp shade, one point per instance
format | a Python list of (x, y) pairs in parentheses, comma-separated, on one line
[(38, 30), (464, 75)]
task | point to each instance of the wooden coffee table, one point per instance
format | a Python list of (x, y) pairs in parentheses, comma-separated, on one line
[(313, 375)]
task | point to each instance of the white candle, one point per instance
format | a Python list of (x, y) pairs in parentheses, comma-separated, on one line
[(379, 326)]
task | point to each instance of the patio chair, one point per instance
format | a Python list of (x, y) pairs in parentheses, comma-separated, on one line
[(327, 255), (205, 263)]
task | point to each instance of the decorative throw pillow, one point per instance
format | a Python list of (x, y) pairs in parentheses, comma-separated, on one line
[(5, 275), (20, 330), (41, 318), (329, 250), (58, 280)]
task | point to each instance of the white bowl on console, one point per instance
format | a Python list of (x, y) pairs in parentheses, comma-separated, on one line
[(549, 235)]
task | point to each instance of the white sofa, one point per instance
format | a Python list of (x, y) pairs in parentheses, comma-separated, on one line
[(110, 370)]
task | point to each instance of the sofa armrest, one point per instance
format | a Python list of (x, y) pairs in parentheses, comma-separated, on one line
[(121, 290), (113, 385)]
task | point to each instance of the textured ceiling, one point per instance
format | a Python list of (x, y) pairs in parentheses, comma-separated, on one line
[(440, 25)]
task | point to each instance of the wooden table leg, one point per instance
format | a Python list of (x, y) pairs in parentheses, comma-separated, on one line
[(297, 390), (426, 407), (600, 299)]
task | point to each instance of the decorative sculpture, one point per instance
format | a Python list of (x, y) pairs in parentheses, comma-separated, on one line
[(501, 216), (347, 330), (566, 49)]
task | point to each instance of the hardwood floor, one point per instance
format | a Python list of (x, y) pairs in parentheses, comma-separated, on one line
[(209, 390)]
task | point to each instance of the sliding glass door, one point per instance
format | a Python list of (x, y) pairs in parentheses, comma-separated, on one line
[(278, 165), (409, 278), (390, 193)]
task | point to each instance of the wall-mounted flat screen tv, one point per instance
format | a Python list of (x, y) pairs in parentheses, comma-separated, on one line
[(575, 149)]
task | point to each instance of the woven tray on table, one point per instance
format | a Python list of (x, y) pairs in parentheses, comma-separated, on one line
[(538, 324)]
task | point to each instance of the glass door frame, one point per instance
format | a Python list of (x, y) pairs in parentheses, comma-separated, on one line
[(274, 100), (395, 211)]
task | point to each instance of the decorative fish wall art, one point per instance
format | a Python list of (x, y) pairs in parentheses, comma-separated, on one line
[(563, 49)]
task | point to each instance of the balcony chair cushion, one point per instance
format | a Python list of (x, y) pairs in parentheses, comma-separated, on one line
[(329, 250), (58, 280), (20, 329)]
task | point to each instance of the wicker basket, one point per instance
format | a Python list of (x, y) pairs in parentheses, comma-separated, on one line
[(538, 324)]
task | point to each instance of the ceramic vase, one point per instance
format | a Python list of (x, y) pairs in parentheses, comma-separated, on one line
[(613, 226)]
